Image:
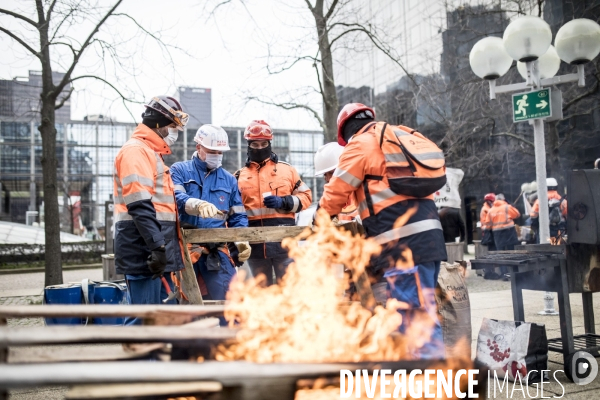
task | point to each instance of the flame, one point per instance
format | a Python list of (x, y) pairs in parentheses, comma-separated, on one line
[(304, 318), (558, 240)]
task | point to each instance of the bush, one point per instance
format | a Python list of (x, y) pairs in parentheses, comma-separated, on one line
[(22, 254)]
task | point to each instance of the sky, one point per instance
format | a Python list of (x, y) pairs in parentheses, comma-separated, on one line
[(226, 52)]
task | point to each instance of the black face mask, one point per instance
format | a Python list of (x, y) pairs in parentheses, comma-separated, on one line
[(259, 155), (352, 126)]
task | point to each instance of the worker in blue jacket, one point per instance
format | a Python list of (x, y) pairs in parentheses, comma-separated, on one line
[(208, 197)]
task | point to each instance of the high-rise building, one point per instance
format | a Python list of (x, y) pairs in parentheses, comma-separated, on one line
[(197, 102), (20, 98)]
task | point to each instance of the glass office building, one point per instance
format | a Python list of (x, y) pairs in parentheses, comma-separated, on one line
[(86, 151)]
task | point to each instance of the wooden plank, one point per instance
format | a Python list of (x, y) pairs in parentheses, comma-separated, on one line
[(189, 283), (26, 355), (232, 373), (100, 310), (252, 235), (69, 334), (121, 391)]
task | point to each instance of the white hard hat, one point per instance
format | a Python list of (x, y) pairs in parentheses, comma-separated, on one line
[(326, 158), (551, 182), (212, 137)]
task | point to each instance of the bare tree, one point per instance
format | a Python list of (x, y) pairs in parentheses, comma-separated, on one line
[(52, 33), (335, 25)]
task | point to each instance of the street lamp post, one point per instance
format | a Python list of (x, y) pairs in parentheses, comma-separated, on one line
[(528, 41)]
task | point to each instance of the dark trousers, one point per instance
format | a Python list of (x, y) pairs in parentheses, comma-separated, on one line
[(266, 266), (142, 289), (217, 282)]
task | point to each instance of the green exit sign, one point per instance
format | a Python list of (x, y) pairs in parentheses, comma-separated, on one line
[(531, 105)]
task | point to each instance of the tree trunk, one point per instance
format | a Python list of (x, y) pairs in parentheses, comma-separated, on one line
[(51, 212), (553, 156), (47, 128), (330, 99)]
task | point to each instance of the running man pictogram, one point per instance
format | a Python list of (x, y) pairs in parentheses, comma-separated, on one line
[(521, 104)]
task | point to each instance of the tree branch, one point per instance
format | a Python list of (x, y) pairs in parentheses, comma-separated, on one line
[(290, 106), (290, 66), (60, 24), (67, 76), (50, 9), (20, 41), (19, 16), (374, 39), (310, 6), (512, 135), (64, 99), (112, 86), (319, 80), (331, 9)]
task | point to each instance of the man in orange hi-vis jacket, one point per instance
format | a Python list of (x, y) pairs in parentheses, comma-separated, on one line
[(500, 219), (486, 231), (146, 226), (272, 193), (362, 170)]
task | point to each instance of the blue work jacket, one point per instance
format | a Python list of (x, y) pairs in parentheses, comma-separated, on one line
[(193, 180)]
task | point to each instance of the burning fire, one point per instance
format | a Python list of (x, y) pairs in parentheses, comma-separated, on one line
[(305, 319)]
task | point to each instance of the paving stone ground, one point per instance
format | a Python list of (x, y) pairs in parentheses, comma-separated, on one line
[(489, 299)]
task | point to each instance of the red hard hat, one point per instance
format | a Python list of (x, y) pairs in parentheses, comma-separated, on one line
[(258, 130), (490, 197), (348, 111)]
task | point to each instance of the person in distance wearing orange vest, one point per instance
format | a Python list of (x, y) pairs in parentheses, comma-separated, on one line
[(147, 242), (501, 220), (361, 171), (557, 217), (272, 192), (486, 230)]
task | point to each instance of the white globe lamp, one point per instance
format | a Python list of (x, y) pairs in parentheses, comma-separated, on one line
[(549, 64), (578, 41), (488, 58), (527, 38)]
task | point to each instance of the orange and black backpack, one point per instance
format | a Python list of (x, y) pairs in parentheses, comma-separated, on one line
[(415, 165)]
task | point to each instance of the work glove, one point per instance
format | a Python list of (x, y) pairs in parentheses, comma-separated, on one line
[(207, 210), (273, 202), (157, 262), (244, 250)]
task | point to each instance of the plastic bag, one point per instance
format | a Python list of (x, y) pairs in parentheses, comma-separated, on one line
[(513, 348)]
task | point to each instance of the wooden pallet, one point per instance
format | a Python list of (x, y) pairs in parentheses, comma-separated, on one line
[(189, 284)]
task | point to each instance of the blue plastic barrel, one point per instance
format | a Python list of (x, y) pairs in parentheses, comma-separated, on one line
[(109, 293), (69, 293)]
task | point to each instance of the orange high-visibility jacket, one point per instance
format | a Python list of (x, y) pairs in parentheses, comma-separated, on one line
[(501, 216), (350, 210), (552, 195), (483, 216), (279, 179), (145, 211), (362, 157)]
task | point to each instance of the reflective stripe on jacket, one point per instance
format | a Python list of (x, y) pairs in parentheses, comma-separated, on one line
[(193, 182), (145, 212), (279, 179), (363, 158), (552, 195), (501, 216)]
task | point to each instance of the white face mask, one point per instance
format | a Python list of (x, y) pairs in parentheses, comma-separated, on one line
[(171, 138), (214, 160)]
